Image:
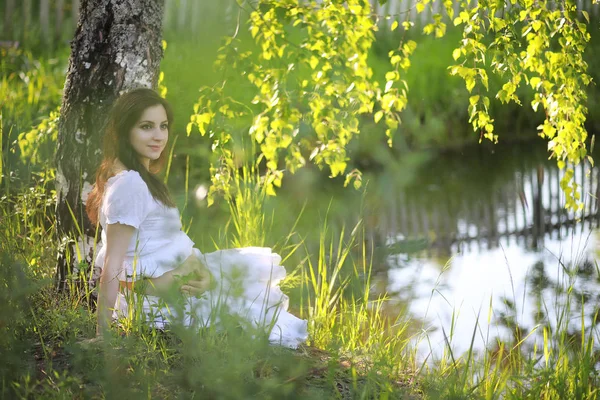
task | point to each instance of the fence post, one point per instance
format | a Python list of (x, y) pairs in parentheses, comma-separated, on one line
[(8, 17), (45, 21), (26, 20), (58, 29), (167, 15), (195, 13), (183, 11), (75, 13)]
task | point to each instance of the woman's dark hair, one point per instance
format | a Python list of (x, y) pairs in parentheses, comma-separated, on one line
[(125, 113)]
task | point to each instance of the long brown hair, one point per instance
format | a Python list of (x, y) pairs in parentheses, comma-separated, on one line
[(125, 113)]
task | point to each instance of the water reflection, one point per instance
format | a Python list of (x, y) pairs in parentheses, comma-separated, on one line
[(496, 259)]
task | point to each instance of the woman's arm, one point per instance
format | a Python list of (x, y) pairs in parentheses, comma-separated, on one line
[(197, 282), (118, 237)]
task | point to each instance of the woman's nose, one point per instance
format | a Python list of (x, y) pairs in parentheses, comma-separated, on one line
[(159, 134)]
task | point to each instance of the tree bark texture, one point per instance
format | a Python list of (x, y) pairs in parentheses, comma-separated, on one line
[(117, 47)]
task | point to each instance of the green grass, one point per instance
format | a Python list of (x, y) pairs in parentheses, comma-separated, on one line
[(143, 362), (356, 349)]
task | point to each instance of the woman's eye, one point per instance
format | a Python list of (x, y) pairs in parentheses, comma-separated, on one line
[(164, 127), (146, 127)]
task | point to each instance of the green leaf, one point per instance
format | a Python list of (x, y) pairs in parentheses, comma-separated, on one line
[(420, 7), (394, 26), (378, 116), (470, 82), (202, 120), (586, 15), (391, 123), (391, 75), (456, 54), (388, 86)]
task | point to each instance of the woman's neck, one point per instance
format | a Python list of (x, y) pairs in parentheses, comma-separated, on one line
[(118, 166)]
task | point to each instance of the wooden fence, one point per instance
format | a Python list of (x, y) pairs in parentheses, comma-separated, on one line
[(528, 210), (49, 21), (38, 20)]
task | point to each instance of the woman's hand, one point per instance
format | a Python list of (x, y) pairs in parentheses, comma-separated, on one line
[(197, 284), (195, 277), (190, 266)]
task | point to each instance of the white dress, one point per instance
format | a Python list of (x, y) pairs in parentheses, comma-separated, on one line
[(247, 278)]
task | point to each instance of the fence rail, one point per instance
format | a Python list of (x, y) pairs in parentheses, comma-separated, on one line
[(526, 210), (51, 21)]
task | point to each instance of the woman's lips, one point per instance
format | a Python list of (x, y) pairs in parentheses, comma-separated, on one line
[(156, 148)]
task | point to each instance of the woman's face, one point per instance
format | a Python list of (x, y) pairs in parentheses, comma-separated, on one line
[(149, 135)]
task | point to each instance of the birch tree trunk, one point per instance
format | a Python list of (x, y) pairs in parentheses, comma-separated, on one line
[(117, 47)]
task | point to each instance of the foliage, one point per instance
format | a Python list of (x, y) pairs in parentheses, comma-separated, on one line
[(538, 44), (30, 86), (39, 144), (30, 94), (312, 84), (45, 357)]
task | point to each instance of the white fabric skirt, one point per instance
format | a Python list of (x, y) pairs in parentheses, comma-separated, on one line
[(246, 285)]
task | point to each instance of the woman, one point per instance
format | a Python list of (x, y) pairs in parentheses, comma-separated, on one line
[(144, 248)]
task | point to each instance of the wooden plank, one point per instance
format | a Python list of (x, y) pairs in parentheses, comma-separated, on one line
[(168, 14), (596, 182), (182, 17), (403, 216), (582, 191), (27, 9), (515, 229), (60, 13), (195, 16), (75, 12), (494, 220), (9, 10), (560, 205), (45, 20)]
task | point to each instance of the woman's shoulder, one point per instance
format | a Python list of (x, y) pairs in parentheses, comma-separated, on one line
[(127, 180)]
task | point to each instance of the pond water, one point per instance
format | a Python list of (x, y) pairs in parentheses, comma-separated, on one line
[(457, 235), (497, 252)]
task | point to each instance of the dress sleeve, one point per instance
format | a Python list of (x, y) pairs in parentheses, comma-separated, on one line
[(127, 200)]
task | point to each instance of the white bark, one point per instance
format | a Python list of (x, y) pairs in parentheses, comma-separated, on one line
[(117, 47)]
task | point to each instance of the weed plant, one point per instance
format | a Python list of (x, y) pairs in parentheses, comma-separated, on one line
[(354, 349)]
